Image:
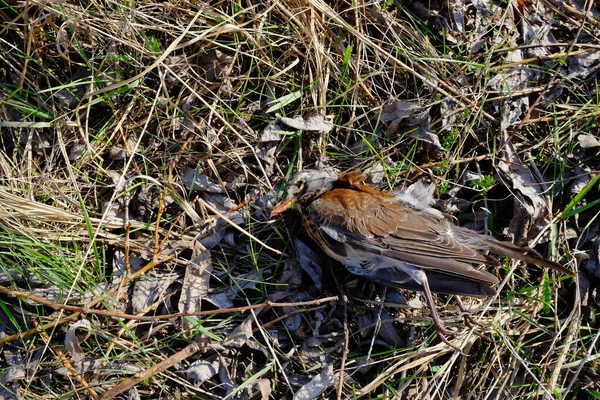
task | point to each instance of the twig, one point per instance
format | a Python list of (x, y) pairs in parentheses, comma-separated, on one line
[(574, 13), (116, 314), (276, 320), (340, 385), (67, 364), (150, 372), (236, 226), (58, 306)]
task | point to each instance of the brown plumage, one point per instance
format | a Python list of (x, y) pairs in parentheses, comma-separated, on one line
[(397, 240)]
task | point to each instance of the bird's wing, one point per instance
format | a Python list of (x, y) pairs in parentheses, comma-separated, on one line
[(371, 221)]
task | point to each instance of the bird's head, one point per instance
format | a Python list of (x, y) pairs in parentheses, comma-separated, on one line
[(304, 187)]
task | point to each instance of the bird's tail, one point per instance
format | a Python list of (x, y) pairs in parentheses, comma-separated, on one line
[(508, 249)]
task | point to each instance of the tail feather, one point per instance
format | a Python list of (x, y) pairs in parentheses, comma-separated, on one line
[(506, 249), (525, 254)]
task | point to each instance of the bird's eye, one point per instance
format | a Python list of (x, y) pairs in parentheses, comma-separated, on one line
[(300, 185)]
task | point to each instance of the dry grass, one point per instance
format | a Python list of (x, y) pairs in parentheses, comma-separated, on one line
[(109, 108)]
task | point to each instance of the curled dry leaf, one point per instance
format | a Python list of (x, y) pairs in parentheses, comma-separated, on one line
[(178, 69), (291, 275), (266, 152), (75, 152), (415, 119), (120, 153), (267, 144), (589, 276), (248, 280), (327, 325), (593, 264), (399, 110), (72, 343), (529, 196), (275, 130), (450, 118), (220, 300), (119, 180), (582, 180), (215, 229), (133, 394), (272, 132), (225, 379), (366, 325)]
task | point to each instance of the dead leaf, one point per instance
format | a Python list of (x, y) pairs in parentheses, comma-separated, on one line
[(226, 382), (76, 151), (412, 118), (195, 181), (583, 65), (587, 141), (582, 180), (14, 368), (220, 300), (195, 282), (314, 123), (399, 110), (264, 387), (529, 197), (248, 280), (310, 262), (147, 289), (216, 230), (119, 180), (593, 264), (291, 275), (241, 333), (317, 385), (120, 153), (72, 343), (273, 132), (75, 89), (201, 371), (293, 322), (133, 394), (365, 325), (214, 64), (266, 152)]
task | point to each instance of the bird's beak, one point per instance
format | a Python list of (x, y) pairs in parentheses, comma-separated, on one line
[(282, 206)]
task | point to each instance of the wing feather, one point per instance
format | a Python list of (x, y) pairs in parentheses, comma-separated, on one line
[(377, 224)]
